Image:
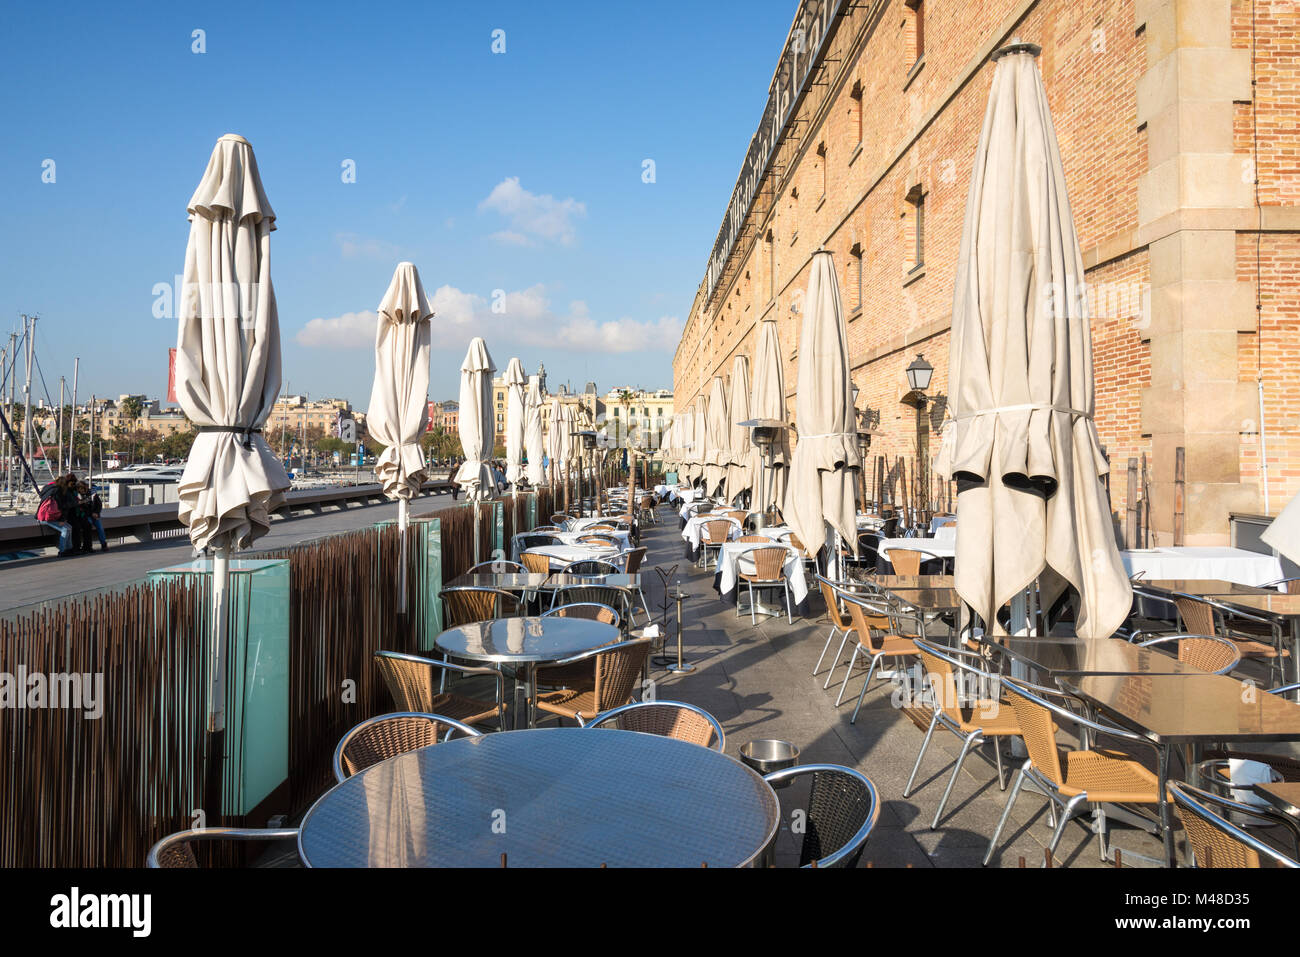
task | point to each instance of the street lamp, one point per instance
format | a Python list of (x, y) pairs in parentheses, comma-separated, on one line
[(919, 373), (588, 439)]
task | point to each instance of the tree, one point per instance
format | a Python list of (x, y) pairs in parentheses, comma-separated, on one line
[(132, 407), (177, 444)]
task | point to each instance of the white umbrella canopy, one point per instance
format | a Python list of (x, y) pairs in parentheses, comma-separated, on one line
[(767, 401), (554, 442), (475, 474), (699, 437), (228, 354), (823, 470), (1025, 449), (1283, 533), (398, 412), (515, 380), (533, 433), (743, 454), (717, 437)]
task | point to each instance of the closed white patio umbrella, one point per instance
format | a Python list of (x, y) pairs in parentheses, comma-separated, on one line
[(475, 474), (515, 380), (227, 378), (767, 401), (823, 470), (1025, 449), (717, 438), (535, 474), (398, 413), (743, 459)]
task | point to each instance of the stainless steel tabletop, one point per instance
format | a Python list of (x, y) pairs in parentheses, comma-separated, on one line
[(523, 640), (551, 797)]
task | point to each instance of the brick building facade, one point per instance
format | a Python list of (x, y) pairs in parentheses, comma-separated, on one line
[(1165, 110)]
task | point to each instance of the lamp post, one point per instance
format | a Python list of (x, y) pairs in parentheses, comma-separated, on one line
[(766, 432), (588, 439), (919, 374)]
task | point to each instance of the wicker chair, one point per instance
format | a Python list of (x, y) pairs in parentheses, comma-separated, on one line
[(1212, 653), (388, 735), (669, 719), (590, 566), (560, 520), (808, 558), (632, 560), (417, 684), (1292, 585), (595, 593), (464, 605), (536, 563), (1198, 615), (841, 811), (646, 510), (907, 561), (174, 850), (974, 719), (879, 636), (713, 535), (588, 610), (617, 668), (1093, 775), (497, 567), (769, 572), (527, 540), (601, 541), (1213, 840), (839, 625)]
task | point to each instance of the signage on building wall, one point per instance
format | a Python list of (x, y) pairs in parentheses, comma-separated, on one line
[(793, 72)]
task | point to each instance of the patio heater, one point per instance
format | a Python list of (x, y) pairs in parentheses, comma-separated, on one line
[(588, 439), (766, 432)]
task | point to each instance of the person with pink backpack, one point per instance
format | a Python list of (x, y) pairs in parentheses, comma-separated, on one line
[(55, 510)]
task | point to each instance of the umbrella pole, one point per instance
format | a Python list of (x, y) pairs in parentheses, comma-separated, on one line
[(403, 520), (476, 530), (217, 651)]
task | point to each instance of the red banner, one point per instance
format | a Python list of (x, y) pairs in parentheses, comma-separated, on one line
[(431, 412), (171, 375)]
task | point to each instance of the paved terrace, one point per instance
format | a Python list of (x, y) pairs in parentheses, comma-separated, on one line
[(757, 680)]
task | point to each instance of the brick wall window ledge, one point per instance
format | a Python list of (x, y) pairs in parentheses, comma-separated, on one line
[(911, 74), (820, 203), (855, 313), (913, 274), (857, 151)]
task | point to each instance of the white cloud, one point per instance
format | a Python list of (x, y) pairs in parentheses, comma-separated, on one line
[(352, 246), (351, 330), (526, 319), (531, 216)]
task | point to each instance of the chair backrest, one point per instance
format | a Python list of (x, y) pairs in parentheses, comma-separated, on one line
[(871, 622), (716, 532), (496, 567), (464, 605), (1207, 652), (753, 539), (411, 680), (952, 678), (906, 561), (791, 539), (590, 610), (831, 596), (174, 850), (590, 566), (617, 669), (1197, 616), (560, 519), (738, 514), (598, 540), (1038, 728), (388, 735), (842, 809), (528, 540), (669, 719), (597, 594), (769, 561), (634, 558), (1212, 839), (536, 562)]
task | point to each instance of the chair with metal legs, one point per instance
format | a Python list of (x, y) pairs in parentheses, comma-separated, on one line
[(1214, 841), (1091, 775), (967, 703), (769, 572), (840, 813), (879, 636), (839, 624)]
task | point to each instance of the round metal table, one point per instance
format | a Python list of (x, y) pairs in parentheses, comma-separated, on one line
[(549, 797), (524, 643)]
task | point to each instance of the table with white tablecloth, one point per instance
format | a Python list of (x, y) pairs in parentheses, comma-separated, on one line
[(693, 532), (561, 555), (732, 561), (943, 545), (587, 521), (571, 538), (1202, 562)]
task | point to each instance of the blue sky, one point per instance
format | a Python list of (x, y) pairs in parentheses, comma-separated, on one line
[(519, 172)]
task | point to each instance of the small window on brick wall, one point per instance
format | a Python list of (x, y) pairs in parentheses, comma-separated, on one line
[(855, 277), (918, 27), (855, 97), (916, 224)]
